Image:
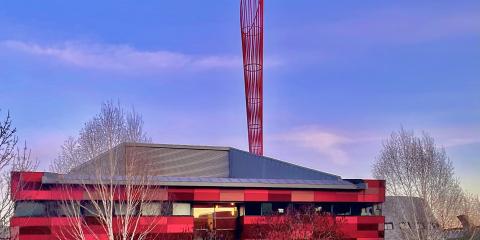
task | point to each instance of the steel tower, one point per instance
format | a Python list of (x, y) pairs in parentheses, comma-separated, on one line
[(251, 23)]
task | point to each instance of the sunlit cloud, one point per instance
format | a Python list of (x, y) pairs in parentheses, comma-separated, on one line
[(328, 144), (122, 58)]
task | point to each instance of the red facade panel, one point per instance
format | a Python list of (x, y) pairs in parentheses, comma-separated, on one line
[(232, 195), (206, 194), (255, 195), (279, 195), (303, 196)]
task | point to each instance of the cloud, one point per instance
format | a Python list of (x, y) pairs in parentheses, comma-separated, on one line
[(328, 144), (122, 58)]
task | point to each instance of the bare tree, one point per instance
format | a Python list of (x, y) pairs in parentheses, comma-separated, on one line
[(12, 158), (304, 223), (115, 199), (112, 126), (416, 168), (8, 141)]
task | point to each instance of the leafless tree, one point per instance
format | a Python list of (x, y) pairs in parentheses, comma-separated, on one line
[(112, 126), (8, 141), (12, 158), (115, 192), (115, 198), (416, 168)]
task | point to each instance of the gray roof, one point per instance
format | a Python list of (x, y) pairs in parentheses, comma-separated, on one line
[(53, 178), (187, 165)]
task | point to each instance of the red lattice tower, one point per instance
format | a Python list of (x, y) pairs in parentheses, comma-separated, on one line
[(251, 22)]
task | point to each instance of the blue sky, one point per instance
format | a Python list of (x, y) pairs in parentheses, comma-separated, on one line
[(339, 75)]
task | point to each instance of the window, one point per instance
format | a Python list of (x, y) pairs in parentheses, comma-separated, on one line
[(30, 209), (242, 211), (361, 209), (267, 209), (151, 209), (123, 209), (63, 209), (89, 209), (342, 209), (323, 207), (253, 209), (377, 209), (181, 209), (389, 226)]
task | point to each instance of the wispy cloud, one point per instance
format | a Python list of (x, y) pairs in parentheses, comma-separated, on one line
[(330, 145), (122, 58)]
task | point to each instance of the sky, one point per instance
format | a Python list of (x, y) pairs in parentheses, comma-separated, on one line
[(340, 76)]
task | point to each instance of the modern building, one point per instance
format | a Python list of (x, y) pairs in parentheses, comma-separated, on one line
[(208, 188), (409, 218)]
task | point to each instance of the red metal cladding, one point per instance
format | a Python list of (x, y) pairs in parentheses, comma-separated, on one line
[(251, 22), (28, 186)]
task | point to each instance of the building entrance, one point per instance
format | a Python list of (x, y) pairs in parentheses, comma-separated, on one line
[(215, 220)]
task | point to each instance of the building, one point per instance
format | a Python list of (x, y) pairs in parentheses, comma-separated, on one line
[(412, 218), (208, 188), (409, 218)]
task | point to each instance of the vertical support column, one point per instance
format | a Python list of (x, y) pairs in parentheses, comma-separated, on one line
[(251, 22)]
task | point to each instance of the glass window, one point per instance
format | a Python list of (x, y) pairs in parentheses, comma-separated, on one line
[(267, 209), (63, 209), (323, 207), (377, 209), (253, 209), (389, 226), (181, 209), (226, 210), (123, 209), (151, 209), (342, 209), (89, 209), (30, 209), (281, 208), (242, 211)]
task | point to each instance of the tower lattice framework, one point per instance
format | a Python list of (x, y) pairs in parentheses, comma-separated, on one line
[(251, 22)]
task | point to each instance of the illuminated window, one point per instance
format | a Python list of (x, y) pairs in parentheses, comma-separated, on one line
[(181, 209), (389, 226)]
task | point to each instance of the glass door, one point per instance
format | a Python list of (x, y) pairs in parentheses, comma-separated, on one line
[(215, 220)]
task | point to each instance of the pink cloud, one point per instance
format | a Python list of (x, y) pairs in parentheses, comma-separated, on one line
[(122, 58)]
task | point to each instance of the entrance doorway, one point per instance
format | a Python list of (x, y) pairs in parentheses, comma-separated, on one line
[(215, 220)]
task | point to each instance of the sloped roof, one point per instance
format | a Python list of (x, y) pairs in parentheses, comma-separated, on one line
[(211, 165)]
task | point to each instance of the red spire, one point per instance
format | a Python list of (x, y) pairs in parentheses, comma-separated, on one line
[(251, 22)]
